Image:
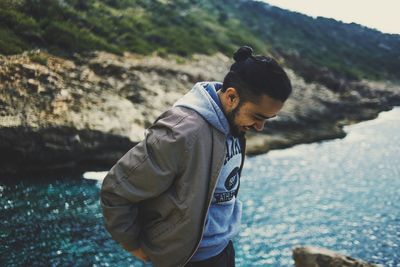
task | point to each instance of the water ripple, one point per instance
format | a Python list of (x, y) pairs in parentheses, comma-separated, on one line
[(341, 194)]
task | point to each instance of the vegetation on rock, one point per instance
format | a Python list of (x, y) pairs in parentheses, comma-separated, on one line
[(313, 47)]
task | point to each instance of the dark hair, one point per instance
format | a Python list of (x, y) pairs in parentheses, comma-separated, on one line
[(253, 76)]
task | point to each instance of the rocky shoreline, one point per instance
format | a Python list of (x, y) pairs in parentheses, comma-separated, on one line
[(69, 115)]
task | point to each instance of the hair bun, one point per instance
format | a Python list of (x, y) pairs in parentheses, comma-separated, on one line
[(243, 53)]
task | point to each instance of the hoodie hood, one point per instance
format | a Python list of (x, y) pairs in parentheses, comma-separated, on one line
[(200, 100)]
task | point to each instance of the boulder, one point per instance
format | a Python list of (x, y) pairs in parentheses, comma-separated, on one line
[(322, 257)]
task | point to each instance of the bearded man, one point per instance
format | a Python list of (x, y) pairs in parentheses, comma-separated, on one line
[(173, 198)]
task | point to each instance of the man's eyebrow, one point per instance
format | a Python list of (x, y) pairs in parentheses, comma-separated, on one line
[(264, 117)]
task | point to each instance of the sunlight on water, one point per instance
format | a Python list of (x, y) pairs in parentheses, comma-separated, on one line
[(342, 194)]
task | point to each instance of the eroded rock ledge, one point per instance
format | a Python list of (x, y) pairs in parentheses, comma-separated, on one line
[(64, 114)]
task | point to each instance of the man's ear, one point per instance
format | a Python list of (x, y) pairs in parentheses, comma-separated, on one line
[(232, 97)]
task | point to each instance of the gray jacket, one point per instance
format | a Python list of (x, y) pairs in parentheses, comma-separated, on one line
[(157, 195)]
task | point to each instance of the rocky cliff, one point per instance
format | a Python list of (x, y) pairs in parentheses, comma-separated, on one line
[(85, 112)]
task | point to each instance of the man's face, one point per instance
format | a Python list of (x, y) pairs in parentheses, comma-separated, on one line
[(248, 115)]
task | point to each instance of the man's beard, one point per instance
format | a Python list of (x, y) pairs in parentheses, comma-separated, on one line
[(234, 129)]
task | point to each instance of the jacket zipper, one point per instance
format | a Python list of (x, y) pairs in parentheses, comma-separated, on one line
[(205, 218)]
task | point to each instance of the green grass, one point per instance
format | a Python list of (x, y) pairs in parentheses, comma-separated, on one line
[(38, 58), (185, 27)]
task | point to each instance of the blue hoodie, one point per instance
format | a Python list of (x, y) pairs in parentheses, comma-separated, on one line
[(224, 215)]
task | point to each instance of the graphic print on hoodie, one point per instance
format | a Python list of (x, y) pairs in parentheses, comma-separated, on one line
[(224, 215)]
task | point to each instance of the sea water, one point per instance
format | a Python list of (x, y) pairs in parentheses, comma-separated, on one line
[(342, 194)]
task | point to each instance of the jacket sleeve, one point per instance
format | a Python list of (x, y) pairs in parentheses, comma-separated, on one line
[(145, 171)]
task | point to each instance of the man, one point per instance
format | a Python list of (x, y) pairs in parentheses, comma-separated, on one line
[(172, 199)]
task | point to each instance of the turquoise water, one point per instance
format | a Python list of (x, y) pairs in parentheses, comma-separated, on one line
[(342, 194)]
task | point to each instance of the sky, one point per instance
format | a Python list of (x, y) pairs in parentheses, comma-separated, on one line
[(383, 15)]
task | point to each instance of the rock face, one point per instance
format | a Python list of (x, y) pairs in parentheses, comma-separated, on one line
[(320, 257), (314, 112), (87, 111)]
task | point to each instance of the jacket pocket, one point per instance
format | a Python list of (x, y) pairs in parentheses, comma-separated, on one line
[(165, 225)]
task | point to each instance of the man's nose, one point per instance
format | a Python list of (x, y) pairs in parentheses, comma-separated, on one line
[(259, 126)]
